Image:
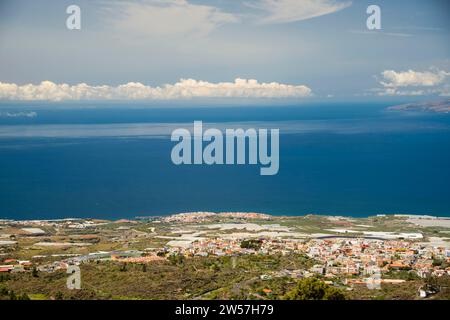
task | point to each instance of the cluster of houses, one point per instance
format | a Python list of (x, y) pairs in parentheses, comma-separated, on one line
[(190, 217), (335, 256), (224, 247), (348, 257), (14, 265), (339, 256)]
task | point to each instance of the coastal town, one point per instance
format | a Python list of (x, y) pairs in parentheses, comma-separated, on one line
[(353, 254)]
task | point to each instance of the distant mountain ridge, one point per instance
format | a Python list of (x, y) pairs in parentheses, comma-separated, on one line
[(442, 106)]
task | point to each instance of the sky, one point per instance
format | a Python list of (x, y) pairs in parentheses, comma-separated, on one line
[(180, 49)]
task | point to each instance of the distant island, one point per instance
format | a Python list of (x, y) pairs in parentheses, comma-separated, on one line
[(442, 106)]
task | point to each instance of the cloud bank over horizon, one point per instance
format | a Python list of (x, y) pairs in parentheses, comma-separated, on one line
[(415, 83), (184, 89)]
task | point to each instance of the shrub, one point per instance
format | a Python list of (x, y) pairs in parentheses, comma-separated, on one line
[(314, 289)]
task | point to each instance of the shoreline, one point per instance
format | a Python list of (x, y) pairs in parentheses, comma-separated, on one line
[(233, 214)]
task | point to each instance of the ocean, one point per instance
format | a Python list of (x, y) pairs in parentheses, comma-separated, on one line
[(113, 161)]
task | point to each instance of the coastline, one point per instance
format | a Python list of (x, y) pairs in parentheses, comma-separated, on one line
[(236, 214)]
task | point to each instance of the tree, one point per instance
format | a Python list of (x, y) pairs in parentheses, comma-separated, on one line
[(4, 277), (3, 291), (24, 296), (314, 289), (34, 272), (12, 295), (251, 244), (160, 253), (176, 259), (215, 267), (59, 296)]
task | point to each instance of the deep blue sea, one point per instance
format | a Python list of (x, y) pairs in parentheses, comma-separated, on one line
[(113, 161)]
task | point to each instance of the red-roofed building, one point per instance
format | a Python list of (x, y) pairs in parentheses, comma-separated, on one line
[(10, 261), (5, 269)]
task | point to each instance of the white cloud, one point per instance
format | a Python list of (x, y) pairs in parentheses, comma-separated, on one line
[(164, 18), (149, 18), (413, 78), (284, 11), (184, 89), (414, 83)]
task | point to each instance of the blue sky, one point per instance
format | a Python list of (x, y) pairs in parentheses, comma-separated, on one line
[(321, 49)]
